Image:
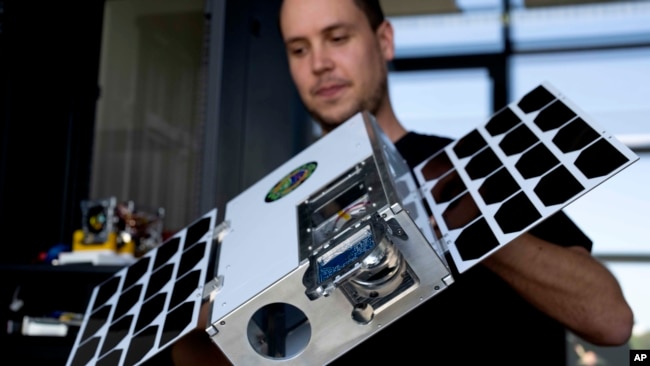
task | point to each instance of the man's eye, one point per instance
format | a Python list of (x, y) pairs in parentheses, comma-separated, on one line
[(339, 38), (297, 48), (297, 51)]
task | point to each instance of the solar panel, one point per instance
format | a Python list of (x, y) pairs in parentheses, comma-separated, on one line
[(531, 159), (147, 306)]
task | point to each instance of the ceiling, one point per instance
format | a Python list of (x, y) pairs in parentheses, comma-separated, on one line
[(412, 7)]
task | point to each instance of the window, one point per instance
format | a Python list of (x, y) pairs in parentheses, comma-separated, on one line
[(597, 54), (448, 103)]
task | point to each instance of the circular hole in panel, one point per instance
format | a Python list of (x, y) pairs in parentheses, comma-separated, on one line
[(363, 313), (279, 331)]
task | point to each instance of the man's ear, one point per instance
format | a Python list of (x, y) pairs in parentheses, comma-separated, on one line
[(386, 40)]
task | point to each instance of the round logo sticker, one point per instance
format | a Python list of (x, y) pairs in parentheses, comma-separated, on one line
[(291, 181)]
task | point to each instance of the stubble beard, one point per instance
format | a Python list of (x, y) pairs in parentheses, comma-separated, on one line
[(371, 103)]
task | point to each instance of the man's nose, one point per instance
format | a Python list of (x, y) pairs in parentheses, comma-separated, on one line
[(321, 61)]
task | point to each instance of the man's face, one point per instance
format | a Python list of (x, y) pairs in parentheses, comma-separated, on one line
[(337, 61)]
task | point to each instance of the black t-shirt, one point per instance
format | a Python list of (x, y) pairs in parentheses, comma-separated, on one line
[(479, 319)]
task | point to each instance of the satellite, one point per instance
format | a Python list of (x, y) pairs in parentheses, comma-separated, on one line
[(344, 239)]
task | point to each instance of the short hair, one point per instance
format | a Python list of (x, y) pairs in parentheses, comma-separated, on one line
[(371, 8), (373, 11)]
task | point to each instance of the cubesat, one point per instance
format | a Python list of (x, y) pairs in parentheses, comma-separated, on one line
[(344, 239)]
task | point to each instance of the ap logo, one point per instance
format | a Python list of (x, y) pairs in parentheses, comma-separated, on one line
[(639, 357)]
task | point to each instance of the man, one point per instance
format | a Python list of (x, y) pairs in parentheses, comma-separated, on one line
[(511, 309)]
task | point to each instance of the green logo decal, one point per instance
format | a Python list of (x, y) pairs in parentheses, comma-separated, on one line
[(291, 181)]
